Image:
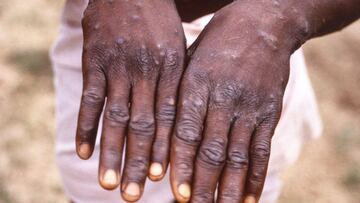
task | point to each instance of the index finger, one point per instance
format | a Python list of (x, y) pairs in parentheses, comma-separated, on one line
[(92, 102), (187, 135)]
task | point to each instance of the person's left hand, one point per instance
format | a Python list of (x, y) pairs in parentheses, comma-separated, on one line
[(230, 103)]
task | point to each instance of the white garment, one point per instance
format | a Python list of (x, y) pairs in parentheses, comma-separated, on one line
[(299, 122)]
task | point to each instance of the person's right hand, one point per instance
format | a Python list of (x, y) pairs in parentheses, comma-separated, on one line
[(133, 56)]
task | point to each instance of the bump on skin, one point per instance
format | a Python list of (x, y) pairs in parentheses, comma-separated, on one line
[(271, 40), (171, 101)]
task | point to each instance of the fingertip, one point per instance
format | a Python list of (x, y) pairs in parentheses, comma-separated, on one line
[(132, 192), (250, 199), (110, 180), (156, 172), (184, 191), (84, 151)]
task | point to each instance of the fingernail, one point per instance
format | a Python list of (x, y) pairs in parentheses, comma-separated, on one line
[(110, 178), (132, 191), (84, 151), (250, 199), (156, 169), (184, 190)]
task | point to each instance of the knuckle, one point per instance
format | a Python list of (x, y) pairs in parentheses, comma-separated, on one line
[(172, 59), (273, 104), (142, 125), (231, 194), (118, 116), (224, 96), (138, 162), (103, 54), (272, 112), (261, 152), (99, 49), (197, 77), (172, 68), (185, 168), (92, 97), (120, 45), (136, 167), (213, 152), (202, 195), (250, 101), (166, 114), (257, 178), (189, 131), (144, 61), (190, 126), (238, 159), (194, 103), (218, 101), (250, 95), (96, 54)]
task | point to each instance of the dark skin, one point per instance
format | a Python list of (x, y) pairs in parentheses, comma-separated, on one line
[(230, 96), (138, 70)]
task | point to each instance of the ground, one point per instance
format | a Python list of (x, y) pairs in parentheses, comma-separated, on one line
[(328, 170)]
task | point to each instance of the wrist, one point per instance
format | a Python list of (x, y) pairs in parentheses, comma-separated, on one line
[(286, 21), (306, 19)]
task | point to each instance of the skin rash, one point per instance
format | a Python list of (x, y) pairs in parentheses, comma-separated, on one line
[(230, 92)]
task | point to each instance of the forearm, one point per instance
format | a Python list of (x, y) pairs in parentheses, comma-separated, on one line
[(296, 21), (320, 17)]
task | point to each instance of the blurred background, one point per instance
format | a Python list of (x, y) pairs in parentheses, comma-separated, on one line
[(328, 170)]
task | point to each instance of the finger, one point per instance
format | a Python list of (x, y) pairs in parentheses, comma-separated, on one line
[(259, 159), (91, 106), (165, 112), (232, 184), (115, 122), (139, 141), (188, 134), (211, 156)]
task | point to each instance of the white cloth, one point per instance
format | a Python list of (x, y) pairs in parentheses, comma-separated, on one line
[(299, 122)]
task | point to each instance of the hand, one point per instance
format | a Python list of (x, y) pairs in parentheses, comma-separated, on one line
[(229, 104), (133, 56)]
